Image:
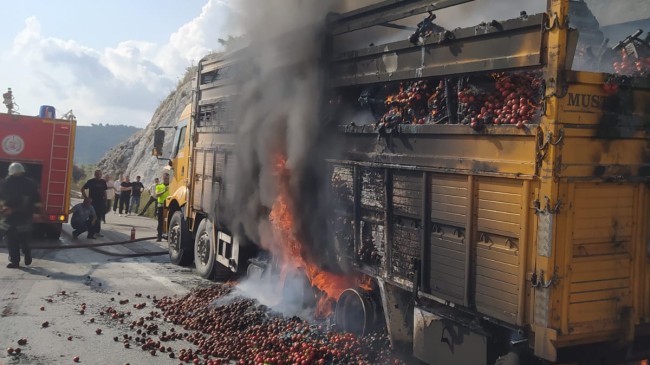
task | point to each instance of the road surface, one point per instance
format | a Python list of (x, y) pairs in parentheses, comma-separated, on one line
[(30, 296)]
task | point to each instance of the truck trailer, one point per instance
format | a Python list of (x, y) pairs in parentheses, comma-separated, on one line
[(45, 146), (498, 201)]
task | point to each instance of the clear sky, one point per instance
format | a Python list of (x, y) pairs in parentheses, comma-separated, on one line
[(109, 61)]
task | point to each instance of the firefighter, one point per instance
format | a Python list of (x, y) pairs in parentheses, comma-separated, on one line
[(162, 192), (20, 203)]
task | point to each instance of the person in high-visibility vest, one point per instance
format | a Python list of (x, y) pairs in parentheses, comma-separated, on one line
[(162, 192)]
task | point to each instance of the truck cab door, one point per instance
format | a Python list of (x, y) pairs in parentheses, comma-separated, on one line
[(179, 160)]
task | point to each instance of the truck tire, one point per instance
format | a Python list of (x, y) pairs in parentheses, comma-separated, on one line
[(204, 249), (205, 253), (179, 241)]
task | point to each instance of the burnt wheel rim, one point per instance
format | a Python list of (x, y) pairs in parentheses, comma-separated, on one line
[(174, 238), (203, 248), (354, 312)]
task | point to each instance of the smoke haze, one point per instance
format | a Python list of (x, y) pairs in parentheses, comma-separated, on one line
[(279, 100)]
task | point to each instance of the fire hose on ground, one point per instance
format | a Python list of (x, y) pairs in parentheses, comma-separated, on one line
[(93, 246)]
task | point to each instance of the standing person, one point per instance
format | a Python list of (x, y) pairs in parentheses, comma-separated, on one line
[(109, 195), (125, 195), (162, 192), (19, 202), (136, 193), (116, 191), (83, 218), (97, 193), (152, 196)]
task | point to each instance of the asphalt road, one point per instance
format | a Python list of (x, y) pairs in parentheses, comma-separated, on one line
[(59, 280)]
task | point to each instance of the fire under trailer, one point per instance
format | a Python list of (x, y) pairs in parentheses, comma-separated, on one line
[(499, 200)]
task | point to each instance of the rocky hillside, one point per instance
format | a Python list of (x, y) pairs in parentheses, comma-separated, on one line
[(93, 141), (133, 156)]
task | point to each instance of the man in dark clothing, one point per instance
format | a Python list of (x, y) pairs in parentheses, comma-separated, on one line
[(19, 203), (97, 193), (125, 196), (83, 217), (136, 192)]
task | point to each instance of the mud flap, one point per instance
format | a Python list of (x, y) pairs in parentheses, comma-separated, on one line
[(228, 251), (437, 340), (397, 303), (544, 343)]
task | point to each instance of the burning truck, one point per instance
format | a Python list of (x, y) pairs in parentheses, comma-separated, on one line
[(481, 192)]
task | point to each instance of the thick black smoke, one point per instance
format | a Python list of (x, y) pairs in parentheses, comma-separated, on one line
[(281, 81)]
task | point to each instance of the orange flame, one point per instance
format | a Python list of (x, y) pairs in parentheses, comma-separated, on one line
[(365, 282), (293, 253)]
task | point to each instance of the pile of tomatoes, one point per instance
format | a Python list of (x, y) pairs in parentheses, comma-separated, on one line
[(630, 65), (514, 99), (409, 105), (506, 98), (225, 329)]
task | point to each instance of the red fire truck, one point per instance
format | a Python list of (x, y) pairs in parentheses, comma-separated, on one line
[(45, 146)]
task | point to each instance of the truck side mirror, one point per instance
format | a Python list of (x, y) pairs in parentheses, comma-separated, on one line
[(158, 141)]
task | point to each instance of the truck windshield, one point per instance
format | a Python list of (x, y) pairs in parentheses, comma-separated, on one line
[(179, 138)]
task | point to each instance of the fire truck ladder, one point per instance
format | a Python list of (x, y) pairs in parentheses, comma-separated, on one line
[(56, 189)]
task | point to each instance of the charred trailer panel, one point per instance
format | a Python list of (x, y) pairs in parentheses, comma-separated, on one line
[(450, 238)]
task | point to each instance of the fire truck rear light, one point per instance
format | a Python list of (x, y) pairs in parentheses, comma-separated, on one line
[(57, 218)]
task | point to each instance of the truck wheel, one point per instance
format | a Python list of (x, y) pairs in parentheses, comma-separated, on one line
[(180, 252), (204, 249), (356, 312)]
